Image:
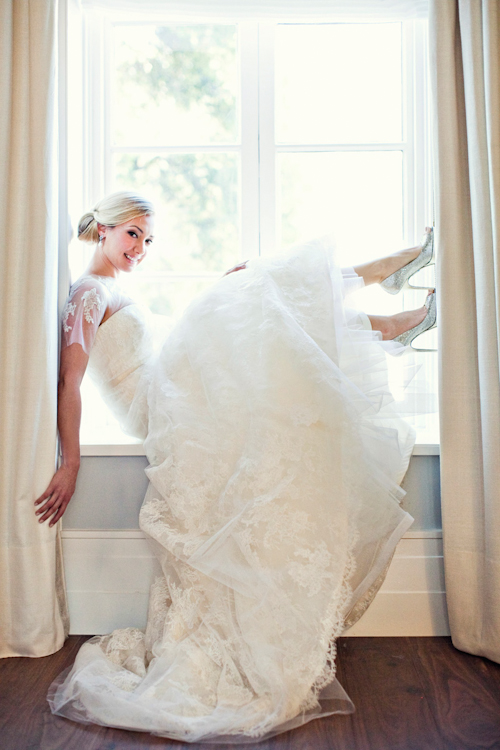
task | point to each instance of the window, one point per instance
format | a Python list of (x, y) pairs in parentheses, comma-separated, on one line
[(252, 136)]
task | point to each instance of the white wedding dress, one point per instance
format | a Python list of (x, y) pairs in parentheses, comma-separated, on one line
[(273, 505)]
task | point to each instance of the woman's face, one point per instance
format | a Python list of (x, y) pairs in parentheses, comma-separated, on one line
[(126, 245)]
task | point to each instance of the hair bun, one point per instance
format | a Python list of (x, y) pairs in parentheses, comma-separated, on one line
[(87, 228)]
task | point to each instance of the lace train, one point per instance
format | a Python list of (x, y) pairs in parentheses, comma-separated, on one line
[(273, 508)]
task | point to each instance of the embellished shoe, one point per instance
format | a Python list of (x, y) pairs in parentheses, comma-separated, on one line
[(399, 279), (428, 322)]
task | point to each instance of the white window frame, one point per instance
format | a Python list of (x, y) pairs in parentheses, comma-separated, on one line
[(257, 148), (415, 144)]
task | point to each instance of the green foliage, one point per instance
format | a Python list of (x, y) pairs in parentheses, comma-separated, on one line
[(190, 65)]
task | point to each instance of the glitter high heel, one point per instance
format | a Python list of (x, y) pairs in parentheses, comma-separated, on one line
[(428, 322), (399, 279)]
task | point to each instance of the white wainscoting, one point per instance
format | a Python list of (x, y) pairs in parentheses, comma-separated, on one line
[(108, 574)]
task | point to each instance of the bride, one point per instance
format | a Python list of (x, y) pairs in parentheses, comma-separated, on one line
[(275, 458)]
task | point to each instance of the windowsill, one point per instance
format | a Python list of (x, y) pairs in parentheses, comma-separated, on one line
[(137, 449)]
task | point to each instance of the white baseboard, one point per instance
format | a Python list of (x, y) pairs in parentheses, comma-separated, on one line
[(108, 574)]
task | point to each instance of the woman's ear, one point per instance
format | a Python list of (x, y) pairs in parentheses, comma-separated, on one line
[(101, 228)]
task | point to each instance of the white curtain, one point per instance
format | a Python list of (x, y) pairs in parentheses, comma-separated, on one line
[(342, 10), (465, 64), (33, 614)]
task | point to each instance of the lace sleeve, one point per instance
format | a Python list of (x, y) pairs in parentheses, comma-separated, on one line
[(83, 313)]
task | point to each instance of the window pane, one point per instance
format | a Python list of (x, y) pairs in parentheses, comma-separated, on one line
[(338, 83), (174, 85), (356, 196), (197, 211), (99, 426)]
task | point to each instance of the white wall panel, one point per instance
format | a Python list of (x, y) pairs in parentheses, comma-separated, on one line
[(108, 574)]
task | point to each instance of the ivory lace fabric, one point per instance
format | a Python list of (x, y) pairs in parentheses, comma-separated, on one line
[(273, 506), (90, 297)]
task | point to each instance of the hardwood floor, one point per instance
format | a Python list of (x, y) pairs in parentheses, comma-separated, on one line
[(409, 693)]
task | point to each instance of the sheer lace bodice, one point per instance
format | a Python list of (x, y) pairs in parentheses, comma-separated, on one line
[(91, 299), (273, 506)]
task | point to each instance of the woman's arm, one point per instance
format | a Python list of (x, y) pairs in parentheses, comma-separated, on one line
[(56, 497)]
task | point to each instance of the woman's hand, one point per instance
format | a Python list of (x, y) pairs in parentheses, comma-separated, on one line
[(56, 497), (239, 267)]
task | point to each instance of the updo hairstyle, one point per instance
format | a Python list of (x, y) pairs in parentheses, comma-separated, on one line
[(113, 210)]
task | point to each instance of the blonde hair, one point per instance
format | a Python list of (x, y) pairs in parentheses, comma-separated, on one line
[(113, 210)]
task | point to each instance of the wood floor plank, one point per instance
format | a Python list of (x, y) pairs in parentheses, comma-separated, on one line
[(463, 692), (409, 693), (391, 710), (61, 734), (23, 694)]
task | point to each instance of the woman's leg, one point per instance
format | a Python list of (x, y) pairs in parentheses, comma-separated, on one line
[(378, 270), (391, 326)]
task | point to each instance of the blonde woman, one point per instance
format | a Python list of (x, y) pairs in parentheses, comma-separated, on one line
[(274, 500)]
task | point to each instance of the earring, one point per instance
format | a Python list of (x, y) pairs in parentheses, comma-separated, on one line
[(101, 237)]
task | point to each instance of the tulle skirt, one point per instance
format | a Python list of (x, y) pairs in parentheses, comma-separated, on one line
[(274, 507)]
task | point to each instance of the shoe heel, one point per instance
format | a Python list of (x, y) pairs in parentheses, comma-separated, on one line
[(413, 287), (429, 322), (417, 349), (400, 278)]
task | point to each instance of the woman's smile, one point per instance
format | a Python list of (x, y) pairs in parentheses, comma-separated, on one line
[(133, 259)]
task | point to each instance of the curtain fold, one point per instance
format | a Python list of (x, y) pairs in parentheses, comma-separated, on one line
[(352, 10), (465, 65), (33, 612)]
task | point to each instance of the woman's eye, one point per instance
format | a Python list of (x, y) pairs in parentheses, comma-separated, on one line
[(133, 234), (149, 242)]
